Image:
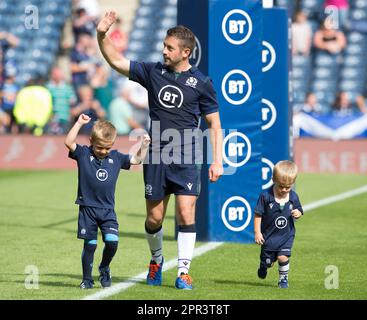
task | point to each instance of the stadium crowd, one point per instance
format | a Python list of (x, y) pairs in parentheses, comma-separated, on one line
[(49, 105)]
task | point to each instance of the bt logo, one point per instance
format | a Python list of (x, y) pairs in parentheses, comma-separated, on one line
[(268, 56), (237, 26), (102, 174), (236, 87), (281, 222), (170, 97), (236, 213), (266, 173), (236, 149), (268, 114), (196, 54)]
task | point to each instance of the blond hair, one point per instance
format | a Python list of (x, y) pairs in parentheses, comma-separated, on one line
[(285, 172), (103, 131)]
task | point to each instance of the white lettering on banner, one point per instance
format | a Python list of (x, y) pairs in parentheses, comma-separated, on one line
[(236, 149), (15, 150), (236, 213), (170, 97), (268, 56), (327, 160), (266, 173), (236, 86), (237, 27), (268, 111), (196, 54)]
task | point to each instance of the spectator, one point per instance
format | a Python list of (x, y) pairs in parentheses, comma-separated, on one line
[(82, 62), (8, 96), (121, 115), (343, 10), (91, 6), (89, 106), (311, 105), (137, 96), (301, 35), (83, 24), (63, 96), (102, 85), (4, 121), (328, 39), (33, 107), (119, 37), (7, 40), (344, 105)]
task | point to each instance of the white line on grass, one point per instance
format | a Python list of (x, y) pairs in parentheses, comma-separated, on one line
[(211, 246)]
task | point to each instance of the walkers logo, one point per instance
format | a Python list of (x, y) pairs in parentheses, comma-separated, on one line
[(236, 213), (195, 57), (236, 149), (170, 97), (268, 56), (266, 173), (236, 86), (102, 174), (237, 26), (268, 114)]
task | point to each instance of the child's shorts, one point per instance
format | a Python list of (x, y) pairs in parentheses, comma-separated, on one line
[(91, 218), (268, 257)]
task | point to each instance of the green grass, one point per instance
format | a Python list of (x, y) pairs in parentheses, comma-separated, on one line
[(38, 221)]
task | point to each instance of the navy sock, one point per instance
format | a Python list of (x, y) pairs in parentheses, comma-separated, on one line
[(109, 251), (87, 259)]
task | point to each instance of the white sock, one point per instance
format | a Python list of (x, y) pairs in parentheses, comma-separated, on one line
[(155, 241), (186, 245), (283, 270)]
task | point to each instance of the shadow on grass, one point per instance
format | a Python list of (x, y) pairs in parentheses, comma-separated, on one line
[(247, 283)]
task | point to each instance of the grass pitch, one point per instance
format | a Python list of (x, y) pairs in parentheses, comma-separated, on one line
[(38, 222)]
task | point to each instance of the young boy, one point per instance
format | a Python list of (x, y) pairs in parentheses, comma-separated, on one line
[(274, 227), (98, 170)]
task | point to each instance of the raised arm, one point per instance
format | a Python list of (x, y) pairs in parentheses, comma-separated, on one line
[(216, 138), (73, 133), (114, 58)]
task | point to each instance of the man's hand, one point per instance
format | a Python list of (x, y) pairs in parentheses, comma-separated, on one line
[(106, 22), (83, 119), (215, 171), (259, 239)]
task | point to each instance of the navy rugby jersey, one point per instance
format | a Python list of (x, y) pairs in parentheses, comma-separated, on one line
[(277, 225), (97, 178), (176, 100)]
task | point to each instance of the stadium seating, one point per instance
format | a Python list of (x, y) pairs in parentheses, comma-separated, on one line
[(38, 25)]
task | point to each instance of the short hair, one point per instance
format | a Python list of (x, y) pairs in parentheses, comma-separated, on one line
[(185, 35), (104, 131), (285, 172)]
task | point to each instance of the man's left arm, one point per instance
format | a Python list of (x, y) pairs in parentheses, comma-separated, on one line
[(216, 138)]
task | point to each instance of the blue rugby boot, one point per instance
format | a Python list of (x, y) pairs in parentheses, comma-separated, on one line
[(262, 272), (184, 282), (86, 284), (283, 281), (154, 276), (105, 277)]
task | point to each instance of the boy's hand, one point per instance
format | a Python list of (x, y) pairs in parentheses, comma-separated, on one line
[(106, 22), (259, 239), (296, 213), (83, 119), (145, 140)]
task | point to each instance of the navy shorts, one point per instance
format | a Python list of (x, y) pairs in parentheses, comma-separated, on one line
[(269, 256), (91, 218), (161, 180)]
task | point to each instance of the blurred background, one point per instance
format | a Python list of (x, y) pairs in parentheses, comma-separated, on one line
[(51, 69)]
